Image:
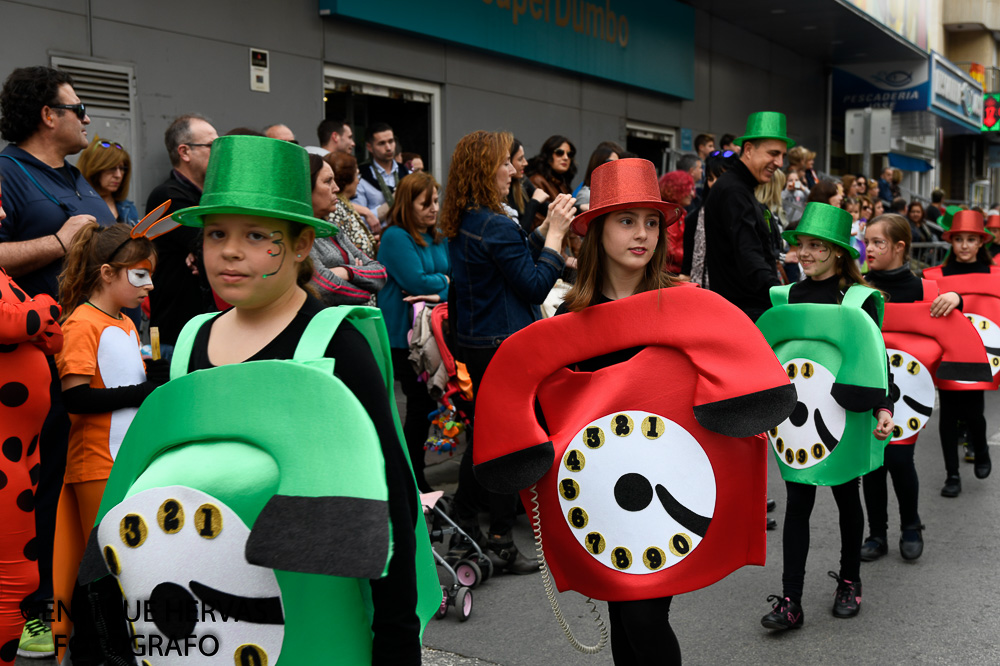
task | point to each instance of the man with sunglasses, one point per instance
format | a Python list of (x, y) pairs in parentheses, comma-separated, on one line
[(47, 201)]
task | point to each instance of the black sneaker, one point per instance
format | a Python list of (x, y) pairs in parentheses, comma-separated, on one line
[(771, 505), (873, 548), (847, 599), (911, 543), (785, 614), (983, 465), (952, 486), (772, 524)]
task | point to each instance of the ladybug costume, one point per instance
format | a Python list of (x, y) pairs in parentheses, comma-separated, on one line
[(28, 332)]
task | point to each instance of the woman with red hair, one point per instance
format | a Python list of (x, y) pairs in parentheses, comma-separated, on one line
[(676, 187)]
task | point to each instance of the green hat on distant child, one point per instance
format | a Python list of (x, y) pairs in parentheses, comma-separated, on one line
[(825, 222), (765, 125), (255, 175)]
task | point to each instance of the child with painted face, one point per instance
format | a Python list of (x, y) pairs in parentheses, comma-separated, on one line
[(104, 382), (624, 252), (823, 239), (888, 238), (258, 232), (968, 255)]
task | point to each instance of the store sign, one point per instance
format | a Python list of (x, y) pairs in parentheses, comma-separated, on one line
[(897, 86), (645, 44), (991, 113), (955, 94)]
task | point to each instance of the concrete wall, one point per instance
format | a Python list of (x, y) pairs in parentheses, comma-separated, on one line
[(193, 56)]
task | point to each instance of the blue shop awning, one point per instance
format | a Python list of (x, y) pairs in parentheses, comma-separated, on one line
[(907, 163)]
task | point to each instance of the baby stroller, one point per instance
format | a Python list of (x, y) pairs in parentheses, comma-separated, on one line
[(468, 572)]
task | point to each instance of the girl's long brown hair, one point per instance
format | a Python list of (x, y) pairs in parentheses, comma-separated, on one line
[(92, 247), (590, 268), (407, 192), (472, 177), (95, 159)]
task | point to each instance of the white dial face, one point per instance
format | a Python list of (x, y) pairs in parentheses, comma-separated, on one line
[(637, 491), (816, 425), (990, 334), (913, 396), (178, 554)]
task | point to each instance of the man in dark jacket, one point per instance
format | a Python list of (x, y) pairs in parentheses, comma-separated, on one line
[(180, 293), (740, 250)]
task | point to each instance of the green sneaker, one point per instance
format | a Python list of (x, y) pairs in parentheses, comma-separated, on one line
[(36, 640)]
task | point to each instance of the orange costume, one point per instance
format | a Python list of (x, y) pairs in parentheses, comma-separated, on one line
[(105, 349), (28, 331)]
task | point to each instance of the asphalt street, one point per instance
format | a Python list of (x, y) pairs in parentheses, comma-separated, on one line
[(942, 609)]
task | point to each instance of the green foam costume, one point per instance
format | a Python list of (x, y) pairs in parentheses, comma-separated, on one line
[(259, 489), (835, 356)]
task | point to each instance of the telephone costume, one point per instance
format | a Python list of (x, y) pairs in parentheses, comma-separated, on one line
[(24, 402), (978, 283), (639, 488), (832, 349), (276, 491)]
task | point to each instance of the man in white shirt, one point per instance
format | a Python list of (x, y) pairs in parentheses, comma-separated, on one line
[(380, 176)]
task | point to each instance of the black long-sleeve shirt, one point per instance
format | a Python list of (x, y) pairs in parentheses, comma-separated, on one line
[(740, 252)]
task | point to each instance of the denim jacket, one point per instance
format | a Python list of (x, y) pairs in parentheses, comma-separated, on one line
[(499, 273)]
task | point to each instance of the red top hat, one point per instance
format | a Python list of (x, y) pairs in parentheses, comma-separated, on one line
[(965, 221), (993, 220), (623, 184)]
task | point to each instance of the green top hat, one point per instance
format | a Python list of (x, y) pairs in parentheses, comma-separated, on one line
[(765, 125), (826, 222), (254, 175)]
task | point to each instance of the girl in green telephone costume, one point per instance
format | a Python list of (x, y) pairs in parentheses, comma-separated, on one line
[(836, 358), (267, 479)]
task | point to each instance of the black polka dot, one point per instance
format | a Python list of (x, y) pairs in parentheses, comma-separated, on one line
[(3, 480), (32, 446), (31, 550), (33, 321), (8, 651), (33, 473), (13, 394), (26, 501), (6, 349), (12, 449), (20, 294), (54, 311)]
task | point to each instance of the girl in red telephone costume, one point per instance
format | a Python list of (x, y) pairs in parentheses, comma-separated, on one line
[(887, 238), (662, 492), (28, 332), (968, 264)]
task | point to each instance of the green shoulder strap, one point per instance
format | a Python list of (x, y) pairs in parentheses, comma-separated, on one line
[(181, 359), (857, 295), (779, 295), (316, 338)]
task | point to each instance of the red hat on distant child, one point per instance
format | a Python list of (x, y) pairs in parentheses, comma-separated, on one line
[(993, 220), (623, 184), (967, 221)]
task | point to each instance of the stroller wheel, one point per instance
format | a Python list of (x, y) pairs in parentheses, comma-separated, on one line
[(443, 610), (485, 567), (463, 602), (468, 573)]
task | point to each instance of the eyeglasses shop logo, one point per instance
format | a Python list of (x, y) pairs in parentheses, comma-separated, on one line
[(895, 79)]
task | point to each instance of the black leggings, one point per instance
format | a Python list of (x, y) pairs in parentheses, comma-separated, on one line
[(969, 408), (471, 495), (419, 404), (898, 463), (641, 633), (795, 539)]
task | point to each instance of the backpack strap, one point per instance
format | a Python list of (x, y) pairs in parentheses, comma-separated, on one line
[(181, 359), (41, 189), (779, 295), (316, 338), (857, 295), (931, 289)]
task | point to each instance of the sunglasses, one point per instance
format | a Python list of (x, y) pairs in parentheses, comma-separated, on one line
[(724, 153), (559, 152), (79, 109), (108, 144)]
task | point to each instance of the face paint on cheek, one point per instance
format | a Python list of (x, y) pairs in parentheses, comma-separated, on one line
[(141, 274), (278, 240)]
